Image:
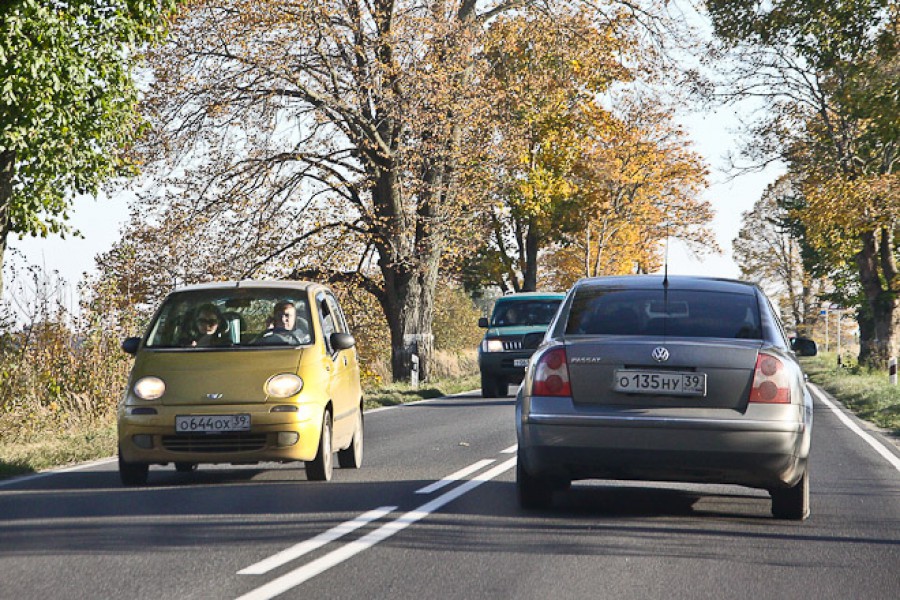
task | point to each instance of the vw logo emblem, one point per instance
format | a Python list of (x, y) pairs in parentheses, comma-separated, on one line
[(660, 354)]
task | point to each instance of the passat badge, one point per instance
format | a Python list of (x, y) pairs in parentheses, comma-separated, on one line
[(660, 354), (214, 396)]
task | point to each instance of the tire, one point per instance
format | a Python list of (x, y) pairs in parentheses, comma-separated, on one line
[(320, 468), (489, 387), (533, 492), (502, 386), (351, 457), (185, 467), (792, 503), (131, 473)]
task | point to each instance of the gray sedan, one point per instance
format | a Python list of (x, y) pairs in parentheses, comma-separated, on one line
[(666, 379)]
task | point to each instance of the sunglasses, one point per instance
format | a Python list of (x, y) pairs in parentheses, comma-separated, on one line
[(212, 321)]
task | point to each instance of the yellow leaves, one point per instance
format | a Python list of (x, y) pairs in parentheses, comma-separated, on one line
[(839, 209)]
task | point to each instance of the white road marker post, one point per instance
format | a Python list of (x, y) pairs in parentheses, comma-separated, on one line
[(892, 370)]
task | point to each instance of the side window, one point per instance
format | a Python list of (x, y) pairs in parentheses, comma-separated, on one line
[(327, 320), (340, 324)]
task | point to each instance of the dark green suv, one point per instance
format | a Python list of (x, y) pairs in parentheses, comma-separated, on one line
[(502, 357)]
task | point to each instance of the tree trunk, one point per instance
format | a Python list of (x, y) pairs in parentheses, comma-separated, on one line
[(532, 245), (877, 342), (7, 162)]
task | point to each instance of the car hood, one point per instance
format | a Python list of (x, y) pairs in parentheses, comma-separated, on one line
[(216, 377), (517, 330)]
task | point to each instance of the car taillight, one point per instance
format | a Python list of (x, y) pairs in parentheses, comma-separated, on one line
[(551, 374), (770, 382)]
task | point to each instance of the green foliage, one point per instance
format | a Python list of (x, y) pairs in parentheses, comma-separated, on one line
[(67, 103)]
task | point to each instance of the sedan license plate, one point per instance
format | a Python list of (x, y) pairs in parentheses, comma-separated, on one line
[(520, 362), (660, 382), (212, 423)]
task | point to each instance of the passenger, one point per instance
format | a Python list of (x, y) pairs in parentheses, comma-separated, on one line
[(206, 329)]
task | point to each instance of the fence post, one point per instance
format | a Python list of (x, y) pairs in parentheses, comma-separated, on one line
[(892, 370)]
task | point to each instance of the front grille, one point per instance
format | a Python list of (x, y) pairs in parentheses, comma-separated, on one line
[(221, 442), (512, 344)]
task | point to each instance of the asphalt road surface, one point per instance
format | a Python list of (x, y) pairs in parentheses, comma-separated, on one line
[(433, 514)]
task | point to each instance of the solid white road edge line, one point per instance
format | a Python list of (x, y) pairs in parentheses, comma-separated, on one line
[(298, 576), (298, 550), (454, 476), (879, 448)]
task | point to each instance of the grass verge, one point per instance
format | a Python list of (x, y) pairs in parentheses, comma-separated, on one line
[(867, 393), (39, 451)]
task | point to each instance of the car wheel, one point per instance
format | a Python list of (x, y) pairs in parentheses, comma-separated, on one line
[(132, 473), (352, 456), (185, 467), (533, 492), (488, 386), (792, 503), (319, 469), (502, 386)]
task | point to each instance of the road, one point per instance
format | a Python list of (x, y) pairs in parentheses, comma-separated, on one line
[(397, 529)]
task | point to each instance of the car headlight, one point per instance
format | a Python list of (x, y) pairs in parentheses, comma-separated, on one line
[(492, 346), (149, 388), (283, 385)]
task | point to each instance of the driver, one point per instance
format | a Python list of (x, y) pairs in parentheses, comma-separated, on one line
[(284, 328)]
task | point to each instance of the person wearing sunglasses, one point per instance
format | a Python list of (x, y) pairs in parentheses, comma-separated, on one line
[(206, 329)]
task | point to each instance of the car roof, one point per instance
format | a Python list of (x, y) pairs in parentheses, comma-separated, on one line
[(675, 282), (532, 296), (250, 283)]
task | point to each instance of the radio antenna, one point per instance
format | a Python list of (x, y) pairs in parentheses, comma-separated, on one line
[(666, 259)]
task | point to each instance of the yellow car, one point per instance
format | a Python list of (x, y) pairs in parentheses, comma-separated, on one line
[(242, 372)]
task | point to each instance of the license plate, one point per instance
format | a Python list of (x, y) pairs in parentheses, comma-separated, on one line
[(520, 362), (660, 382), (212, 423)]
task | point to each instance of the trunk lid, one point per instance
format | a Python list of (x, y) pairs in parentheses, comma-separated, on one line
[(728, 367)]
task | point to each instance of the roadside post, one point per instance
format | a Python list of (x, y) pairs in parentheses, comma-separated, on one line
[(414, 371), (892, 370)]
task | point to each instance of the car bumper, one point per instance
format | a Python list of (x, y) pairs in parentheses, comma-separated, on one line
[(504, 363), (591, 443), (152, 438)]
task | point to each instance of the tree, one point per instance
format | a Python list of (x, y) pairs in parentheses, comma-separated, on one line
[(827, 71), (343, 120), (769, 251), (586, 187), (67, 103)]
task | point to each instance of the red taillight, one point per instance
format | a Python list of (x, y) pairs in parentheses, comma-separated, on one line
[(770, 382), (551, 374)]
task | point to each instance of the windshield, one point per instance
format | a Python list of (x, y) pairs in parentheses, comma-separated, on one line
[(597, 311), (250, 317), (524, 312)]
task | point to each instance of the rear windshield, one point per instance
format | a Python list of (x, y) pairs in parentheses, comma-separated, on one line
[(597, 311), (524, 312), (232, 318)]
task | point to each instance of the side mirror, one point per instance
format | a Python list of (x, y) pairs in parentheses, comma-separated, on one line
[(483, 322), (131, 345), (342, 341), (530, 341), (804, 346)]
